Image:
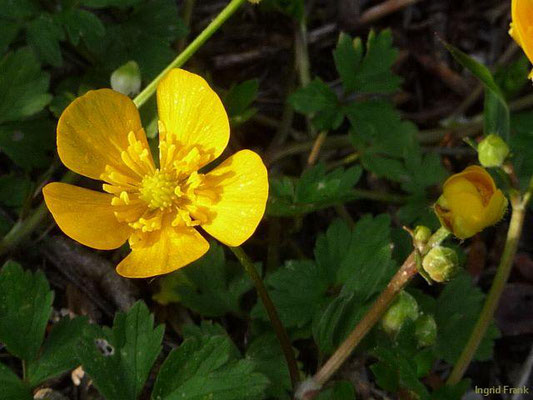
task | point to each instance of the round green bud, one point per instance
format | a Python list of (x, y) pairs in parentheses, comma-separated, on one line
[(425, 330), (127, 79), (402, 309), (492, 151), (422, 234), (441, 263)]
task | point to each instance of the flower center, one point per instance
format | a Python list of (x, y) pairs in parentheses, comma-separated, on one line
[(157, 190)]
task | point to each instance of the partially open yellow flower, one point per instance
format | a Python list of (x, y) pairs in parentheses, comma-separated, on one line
[(156, 206), (522, 26), (470, 202)]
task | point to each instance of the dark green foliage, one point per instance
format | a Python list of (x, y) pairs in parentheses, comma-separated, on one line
[(367, 70), (457, 310), (23, 86), (265, 352), (522, 146), (341, 390), (239, 99), (316, 189), (13, 388), (25, 306), (210, 286), (207, 365), (119, 360), (59, 351)]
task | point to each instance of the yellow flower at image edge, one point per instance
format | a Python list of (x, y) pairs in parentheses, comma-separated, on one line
[(155, 207), (470, 202), (522, 26)]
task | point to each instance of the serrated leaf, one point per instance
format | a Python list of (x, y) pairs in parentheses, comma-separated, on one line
[(144, 36), (298, 290), (319, 100), (496, 114), (119, 360), (205, 367), (368, 264), (359, 258), (370, 73), (266, 355), (44, 34), (210, 286), (13, 388), (23, 86), (82, 24), (377, 124), (359, 262), (25, 306), (348, 56), (58, 353), (316, 189), (28, 144), (316, 96), (457, 310)]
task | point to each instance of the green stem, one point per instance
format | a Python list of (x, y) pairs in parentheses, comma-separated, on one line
[(504, 269), (227, 12), (281, 333)]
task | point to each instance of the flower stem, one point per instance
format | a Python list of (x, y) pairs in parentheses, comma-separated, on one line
[(407, 271), (519, 207), (398, 282), (227, 12), (281, 333)]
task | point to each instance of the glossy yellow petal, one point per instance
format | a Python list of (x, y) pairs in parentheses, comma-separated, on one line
[(522, 25), (85, 215), (93, 131), (468, 214), (192, 114), (241, 185), (496, 208), (162, 251)]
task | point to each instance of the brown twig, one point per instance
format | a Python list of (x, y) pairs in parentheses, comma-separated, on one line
[(76, 261), (384, 9)]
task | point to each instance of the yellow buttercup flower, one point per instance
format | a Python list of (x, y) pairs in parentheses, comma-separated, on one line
[(470, 202), (522, 26), (156, 207)]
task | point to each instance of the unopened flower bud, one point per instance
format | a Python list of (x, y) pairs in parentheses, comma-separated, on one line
[(402, 309), (425, 330), (492, 151), (422, 234), (127, 79), (441, 263)]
